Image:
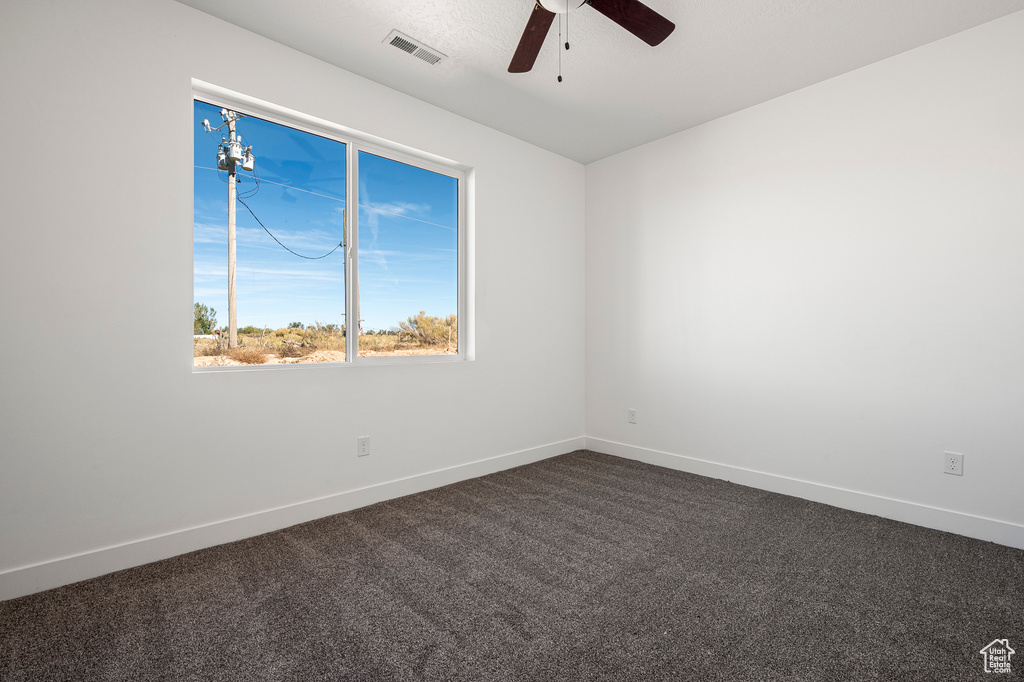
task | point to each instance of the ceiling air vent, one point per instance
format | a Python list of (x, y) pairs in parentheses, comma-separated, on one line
[(414, 47)]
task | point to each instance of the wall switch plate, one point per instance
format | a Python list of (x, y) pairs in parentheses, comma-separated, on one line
[(363, 446), (631, 416), (953, 463)]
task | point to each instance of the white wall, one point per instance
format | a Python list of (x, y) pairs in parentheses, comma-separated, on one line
[(821, 294), (113, 451)]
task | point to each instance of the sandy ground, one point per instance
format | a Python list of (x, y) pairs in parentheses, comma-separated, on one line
[(315, 356)]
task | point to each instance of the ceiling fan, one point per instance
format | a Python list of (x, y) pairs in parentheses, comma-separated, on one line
[(632, 15)]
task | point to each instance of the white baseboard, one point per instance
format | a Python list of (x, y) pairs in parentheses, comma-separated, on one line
[(45, 575), (982, 528)]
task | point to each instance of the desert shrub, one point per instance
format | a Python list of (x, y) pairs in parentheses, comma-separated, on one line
[(291, 350), (431, 331), (323, 336), (205, 319), (252, 355), (380, 343), (207, 350), (250, 330), (296, 325)]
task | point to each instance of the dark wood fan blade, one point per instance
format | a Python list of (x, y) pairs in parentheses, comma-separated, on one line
[(533, 38), (637, 18)]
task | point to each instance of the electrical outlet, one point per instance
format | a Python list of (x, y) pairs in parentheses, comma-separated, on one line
[(953, 463), (631, 416), (363, 446)]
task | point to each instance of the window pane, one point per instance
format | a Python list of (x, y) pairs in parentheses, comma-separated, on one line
[(408, 259), (290, 270)]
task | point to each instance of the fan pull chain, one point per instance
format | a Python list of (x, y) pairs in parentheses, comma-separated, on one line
[(560, 40)]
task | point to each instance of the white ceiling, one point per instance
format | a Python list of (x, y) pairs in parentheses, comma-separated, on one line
[(617, 92)]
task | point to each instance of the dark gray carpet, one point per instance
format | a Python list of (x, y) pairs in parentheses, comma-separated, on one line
[(581, 567)]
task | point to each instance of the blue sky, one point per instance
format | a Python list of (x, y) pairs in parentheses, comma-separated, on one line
[(408, 237)]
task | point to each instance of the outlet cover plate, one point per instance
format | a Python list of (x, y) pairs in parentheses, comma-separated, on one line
[(363, 446), (631, 415), (953, 463)]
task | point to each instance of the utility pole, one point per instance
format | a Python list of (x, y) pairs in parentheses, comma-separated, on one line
[(232, 197), (229, 156)]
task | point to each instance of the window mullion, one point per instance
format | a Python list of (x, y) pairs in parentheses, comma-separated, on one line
[(352, 256)]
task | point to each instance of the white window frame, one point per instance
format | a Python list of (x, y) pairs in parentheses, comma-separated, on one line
[(356, 142)]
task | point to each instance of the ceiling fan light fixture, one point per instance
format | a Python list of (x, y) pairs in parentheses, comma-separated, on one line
[(632, 15), (561, 6)]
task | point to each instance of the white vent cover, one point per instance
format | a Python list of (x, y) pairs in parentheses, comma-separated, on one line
[(414, 47)]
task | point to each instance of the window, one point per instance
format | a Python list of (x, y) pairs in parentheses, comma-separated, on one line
[(341, 250)]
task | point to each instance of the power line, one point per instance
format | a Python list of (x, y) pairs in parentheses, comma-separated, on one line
[(299, 189), (408, 217), (281, 184), (340, 244), (255, 190), (325, 196)]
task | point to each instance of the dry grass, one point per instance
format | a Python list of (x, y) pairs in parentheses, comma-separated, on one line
[(323, 337), (292, 350), (322, 343), (427, 330), (252, 355), (207, 349), (378, 343)]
